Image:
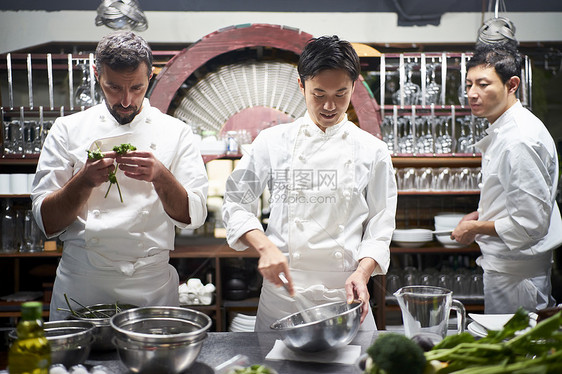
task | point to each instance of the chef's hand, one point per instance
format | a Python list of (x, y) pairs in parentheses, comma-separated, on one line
[(141, 165), (272, 261), (465, 232), (469, 227), (356, 284), (96, 172)]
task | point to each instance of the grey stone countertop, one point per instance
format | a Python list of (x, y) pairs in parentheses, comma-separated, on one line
[(222, 346)]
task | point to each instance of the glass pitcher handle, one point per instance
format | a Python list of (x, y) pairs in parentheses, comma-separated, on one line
[(461, 315)]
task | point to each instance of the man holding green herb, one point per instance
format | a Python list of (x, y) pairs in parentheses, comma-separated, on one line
[(117, 239)]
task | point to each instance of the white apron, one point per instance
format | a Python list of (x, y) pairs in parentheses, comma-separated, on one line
[(320, 189), (510, 284), (115, 265)]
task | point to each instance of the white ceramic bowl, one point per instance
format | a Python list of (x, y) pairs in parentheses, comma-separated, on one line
[(448, 219), (448, 242)]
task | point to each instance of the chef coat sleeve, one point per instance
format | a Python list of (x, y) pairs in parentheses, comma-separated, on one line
[(55, 167), (243, 189), (381, 198), (524, 175), (188, 168)]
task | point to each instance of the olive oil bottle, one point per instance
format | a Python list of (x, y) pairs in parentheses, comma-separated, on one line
[(30, 353)]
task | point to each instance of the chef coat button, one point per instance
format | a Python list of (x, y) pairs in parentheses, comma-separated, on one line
[(341, 228), (296, 256), (345, 134), (148, 120), (102, 118), (480, 185), (487, 157), (348, 163), (140, 245), (346, 194), (338, 255), (302, 158), (496, 131), (152, 146), (94, 240), (306, 132), (96, 213), (479, 210), (144, 213)]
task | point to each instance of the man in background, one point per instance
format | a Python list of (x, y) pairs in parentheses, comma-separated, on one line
[(518, 224)]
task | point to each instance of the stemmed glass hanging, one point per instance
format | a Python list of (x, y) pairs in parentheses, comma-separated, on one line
[(432, 89), (83, 94), (410, 89)]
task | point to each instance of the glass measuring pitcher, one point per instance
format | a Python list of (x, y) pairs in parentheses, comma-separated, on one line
[(425, 311)]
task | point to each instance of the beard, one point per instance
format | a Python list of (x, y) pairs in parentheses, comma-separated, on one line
[(122, 119)]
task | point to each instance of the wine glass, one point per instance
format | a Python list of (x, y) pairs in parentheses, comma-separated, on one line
[(83, 95), (432, 89), (463, 96), (410, 89)]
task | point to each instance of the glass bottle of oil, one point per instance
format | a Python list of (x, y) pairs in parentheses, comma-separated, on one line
[(31, 351)]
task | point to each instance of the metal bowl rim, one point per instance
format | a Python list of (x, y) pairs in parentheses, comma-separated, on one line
[(138, 336), (88, 330), (99, 320), (276, 325)]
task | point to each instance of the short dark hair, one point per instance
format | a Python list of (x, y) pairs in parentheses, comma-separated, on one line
[(123, 50), (328, 53), (503, 57)]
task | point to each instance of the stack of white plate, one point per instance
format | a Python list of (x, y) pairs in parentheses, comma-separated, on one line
[(242, 323), (447, 222), (411, 237)]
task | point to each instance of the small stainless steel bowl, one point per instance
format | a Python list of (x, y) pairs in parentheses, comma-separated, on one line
[(71, 341), (159, 339), (103, 334), (327, 326)]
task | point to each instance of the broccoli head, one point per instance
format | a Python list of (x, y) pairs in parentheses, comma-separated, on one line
[(396, 354)]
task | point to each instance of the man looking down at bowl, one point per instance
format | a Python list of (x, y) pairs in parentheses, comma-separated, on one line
[(333, 195), (116, 248), (518, 222)]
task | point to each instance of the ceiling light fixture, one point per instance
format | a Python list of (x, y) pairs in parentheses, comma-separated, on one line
[(121, 15)]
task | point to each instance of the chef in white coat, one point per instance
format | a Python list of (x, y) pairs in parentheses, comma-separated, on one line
[(332, 195), (518, 224), (118, 251)]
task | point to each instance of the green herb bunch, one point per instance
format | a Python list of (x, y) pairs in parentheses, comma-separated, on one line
[(536, 350), (112, 178)]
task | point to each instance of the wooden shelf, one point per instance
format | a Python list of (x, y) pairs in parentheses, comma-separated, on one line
[(433, 248), (31, 254), (452, 160), (437, 193)]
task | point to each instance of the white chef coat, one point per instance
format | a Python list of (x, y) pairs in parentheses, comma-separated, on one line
[(332, 201), (118, 251), (519, 183)]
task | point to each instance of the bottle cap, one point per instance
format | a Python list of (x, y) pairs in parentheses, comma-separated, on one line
[(31, 310)]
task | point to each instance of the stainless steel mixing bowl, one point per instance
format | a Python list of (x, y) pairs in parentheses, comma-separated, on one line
[(70, 341), (99, 315), (159, 339), (320, 328)]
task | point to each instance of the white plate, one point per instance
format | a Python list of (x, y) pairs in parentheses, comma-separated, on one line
[(409, 244), (496, 321), (491, 321), (477, 330)]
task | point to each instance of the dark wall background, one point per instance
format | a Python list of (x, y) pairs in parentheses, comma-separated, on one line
[(412, 6)]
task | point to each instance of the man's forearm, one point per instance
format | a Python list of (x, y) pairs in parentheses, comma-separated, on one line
[(60, 208), (174, 197), (256, 239), (485, 228)]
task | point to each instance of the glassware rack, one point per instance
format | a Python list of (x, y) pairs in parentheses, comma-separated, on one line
[(32, 105), (424, 107)]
